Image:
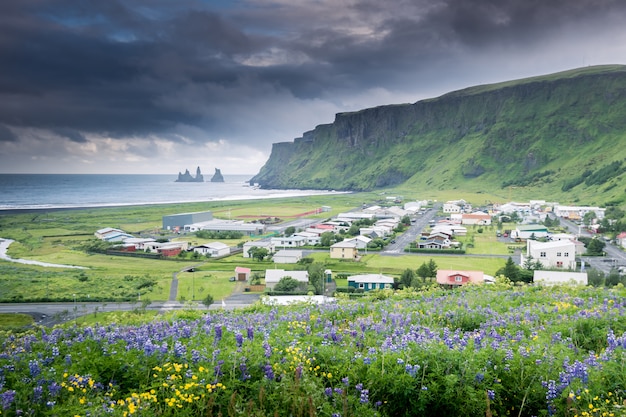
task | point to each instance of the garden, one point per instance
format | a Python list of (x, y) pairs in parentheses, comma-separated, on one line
[(498, 350)]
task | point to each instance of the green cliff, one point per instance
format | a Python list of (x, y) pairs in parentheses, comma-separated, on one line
[(548, 134)]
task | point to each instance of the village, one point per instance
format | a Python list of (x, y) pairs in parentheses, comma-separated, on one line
[(545, 239)]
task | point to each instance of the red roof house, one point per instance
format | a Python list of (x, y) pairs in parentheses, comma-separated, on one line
[(457, 278)]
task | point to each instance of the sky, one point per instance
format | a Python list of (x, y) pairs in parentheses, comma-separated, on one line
[(160, 86)]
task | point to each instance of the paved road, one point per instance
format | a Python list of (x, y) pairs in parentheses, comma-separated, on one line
[(410, 235), (614, 256)]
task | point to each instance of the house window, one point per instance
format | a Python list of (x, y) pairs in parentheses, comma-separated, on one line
[(566, 254), (542, 254), (361, 285), (458, 278), (558, 254)]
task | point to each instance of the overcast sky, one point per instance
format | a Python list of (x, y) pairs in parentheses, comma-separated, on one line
[(158, 86)]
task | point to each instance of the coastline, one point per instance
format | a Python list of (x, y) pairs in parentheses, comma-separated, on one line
[(45, 209)]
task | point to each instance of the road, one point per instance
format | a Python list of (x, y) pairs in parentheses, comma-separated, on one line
[(410, 235), (50, 314), (614, 256)]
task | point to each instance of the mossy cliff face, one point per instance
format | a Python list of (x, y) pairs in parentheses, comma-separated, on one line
[(536, 132)]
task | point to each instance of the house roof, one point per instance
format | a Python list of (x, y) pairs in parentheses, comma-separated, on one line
[(475, 277), (258, 243), (289, 253), (215, 245), (533, 244), (274, 275), (476, 216), (345, 244), (242, 270), (531, 227), (371, 279)]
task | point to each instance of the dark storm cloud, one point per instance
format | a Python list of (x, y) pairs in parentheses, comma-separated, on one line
[(138, 67), (6, 135), (70, 134)]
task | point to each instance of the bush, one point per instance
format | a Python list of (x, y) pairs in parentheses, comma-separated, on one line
[(207, 300)]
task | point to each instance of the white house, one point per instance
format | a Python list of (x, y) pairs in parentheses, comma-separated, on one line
[(559, 277), (292, 241), (311, 238), (257, 244), (529, 231), (369, 282), (412, 206), (138, 242), (376, 231), (102, 233), (561, 236), (478, 218), (214, 249), (273, 276), (286, 256), (159, 246), (451, 208), (577, 212), (450, 229), (557, 254)]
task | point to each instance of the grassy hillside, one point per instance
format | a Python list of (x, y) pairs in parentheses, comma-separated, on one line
[(560, 136)]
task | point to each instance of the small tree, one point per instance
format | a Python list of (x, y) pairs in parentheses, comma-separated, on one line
[(258, 253), (432, 267), (326, 238), (287, 284), (510, 270), (208, 300), (595, 247), (290, 231), (407, 278), (423, 271), (316, 276)]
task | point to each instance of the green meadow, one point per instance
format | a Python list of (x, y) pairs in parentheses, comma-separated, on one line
[(61, 236)]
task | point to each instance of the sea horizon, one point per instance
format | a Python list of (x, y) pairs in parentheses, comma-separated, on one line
[(36, 192)]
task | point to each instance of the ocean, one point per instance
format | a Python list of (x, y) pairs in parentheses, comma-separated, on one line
[(54, 191)]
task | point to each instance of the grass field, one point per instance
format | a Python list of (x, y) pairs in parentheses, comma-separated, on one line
[(60, 236)]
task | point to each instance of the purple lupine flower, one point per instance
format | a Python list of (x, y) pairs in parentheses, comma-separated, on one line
[(364, 398), (195, 356), (54, 389), (328, 391), (491, 394), (479, 377), (338, 391), (267, 348), (7, 399), (244, 370), (218, 333), (269, 372), (239, 339), (68, 359), (346, 381), (218, 368), (179, 349), (250, 333), (149, 348), (37, 393), (35, 369)]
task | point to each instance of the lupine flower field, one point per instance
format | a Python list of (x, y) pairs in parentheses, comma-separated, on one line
[(476, 351)]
